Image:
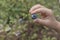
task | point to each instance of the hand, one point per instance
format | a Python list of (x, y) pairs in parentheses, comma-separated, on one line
[(47, 17)]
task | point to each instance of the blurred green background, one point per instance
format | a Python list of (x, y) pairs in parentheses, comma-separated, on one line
[(11, 12)]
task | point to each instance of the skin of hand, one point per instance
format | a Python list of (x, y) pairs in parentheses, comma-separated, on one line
[(47, 17)]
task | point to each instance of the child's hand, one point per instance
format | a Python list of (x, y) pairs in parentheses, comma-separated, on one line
[(47, 17)]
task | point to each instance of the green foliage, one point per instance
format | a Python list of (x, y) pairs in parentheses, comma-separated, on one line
[(11, 10)]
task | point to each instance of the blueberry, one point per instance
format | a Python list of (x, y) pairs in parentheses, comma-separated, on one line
[(34, 16), (21, 20)]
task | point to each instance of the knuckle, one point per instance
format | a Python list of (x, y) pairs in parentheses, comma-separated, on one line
[(51, 11)]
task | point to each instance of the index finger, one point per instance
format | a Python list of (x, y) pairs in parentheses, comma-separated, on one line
[(36, 7), (43, 11)]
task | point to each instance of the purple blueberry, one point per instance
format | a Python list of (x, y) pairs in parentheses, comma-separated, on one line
[(34, 16)]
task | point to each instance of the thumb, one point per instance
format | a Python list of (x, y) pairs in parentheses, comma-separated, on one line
[(40, 21)]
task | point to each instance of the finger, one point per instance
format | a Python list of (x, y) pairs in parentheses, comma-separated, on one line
[(43, 11), (41, 21), (35, 7)]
